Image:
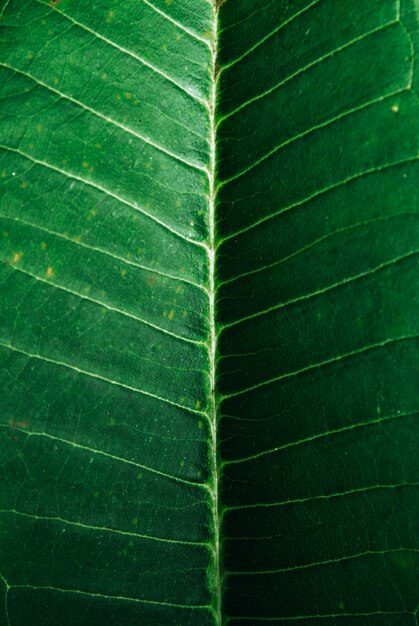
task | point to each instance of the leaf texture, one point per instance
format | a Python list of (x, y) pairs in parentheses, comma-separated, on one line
[(209, 313)]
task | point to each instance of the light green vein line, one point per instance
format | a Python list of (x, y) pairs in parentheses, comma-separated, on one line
[(329, 433), (318, 193), (6, 592), (345, 281), (108, 120), (108, 307), (103, 378), (110, 597), (310, 617), (307, 67), (212, 349), (191, 93), (119, 459), (321, 497), (178, 24), (2, 12), (107, 192), (271, 34), (312, 129), (67, 522), (343, 559), (309, 368), (315, 242), (116, 257)]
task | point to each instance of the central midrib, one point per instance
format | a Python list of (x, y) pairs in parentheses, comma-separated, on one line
[(216, 576)]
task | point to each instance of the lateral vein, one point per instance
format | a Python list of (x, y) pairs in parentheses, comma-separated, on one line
[(99, 377), (108, 120), (105, 191), (141, 60), (80, 446), (67, 522)]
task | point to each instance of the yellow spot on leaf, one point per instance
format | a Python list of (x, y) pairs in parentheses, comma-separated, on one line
[(110, 17), (200, 424), (178, 37), (24, 185), (43, 246), (29, 55), (395, 108), (50, 272), (197, 404), (85, 164), (180, 290), (104, 76), (39, 128), (17, 257), (171, 314), (164, 47), (123, 273), (55, 81)]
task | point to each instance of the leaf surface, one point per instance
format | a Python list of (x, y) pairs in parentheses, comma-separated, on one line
[(209, 313)]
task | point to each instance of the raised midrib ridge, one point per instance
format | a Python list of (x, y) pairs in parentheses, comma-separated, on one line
[(217, 578)]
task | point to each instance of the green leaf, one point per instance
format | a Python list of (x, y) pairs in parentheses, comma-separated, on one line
[(209, 313)]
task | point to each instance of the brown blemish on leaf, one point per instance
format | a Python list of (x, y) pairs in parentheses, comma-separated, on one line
[(19, 424)]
